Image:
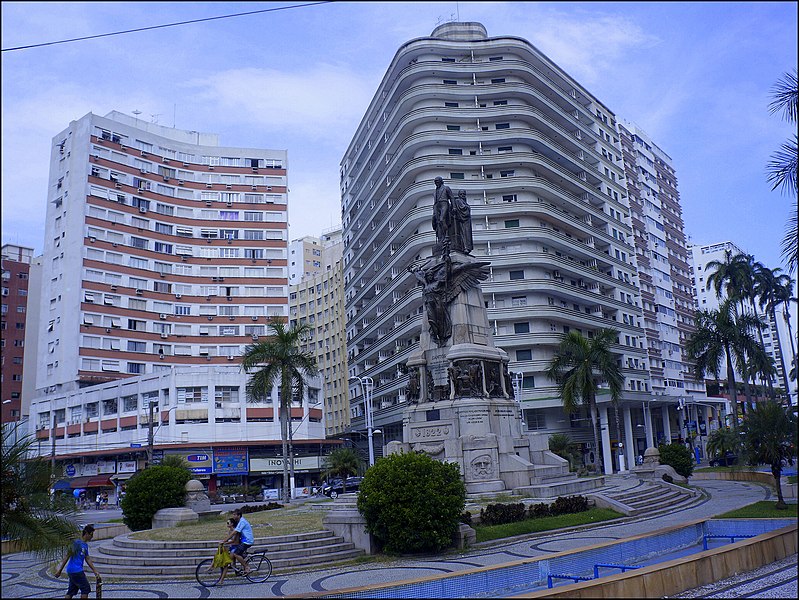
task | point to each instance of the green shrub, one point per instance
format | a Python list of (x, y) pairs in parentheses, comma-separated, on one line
[(538, 510), (151, 490), (677, 456), (466, 517), (412, 503), (259, 507), (568, 504), (497, 514)]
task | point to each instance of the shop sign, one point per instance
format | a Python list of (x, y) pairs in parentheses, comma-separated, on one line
[(230, 461), (199, 462), (88, 470), (70, 470), (127, 466), (106, 466), (275, 465)]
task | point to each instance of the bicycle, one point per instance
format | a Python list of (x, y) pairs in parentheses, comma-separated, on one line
[(260, 569)]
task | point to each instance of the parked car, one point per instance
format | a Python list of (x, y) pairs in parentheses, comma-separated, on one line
[(338, 486), (724, 461)]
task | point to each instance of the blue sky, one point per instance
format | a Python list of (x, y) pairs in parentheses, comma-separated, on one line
[(695, 76)]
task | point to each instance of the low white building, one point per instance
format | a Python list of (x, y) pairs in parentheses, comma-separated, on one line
[(101, 434)]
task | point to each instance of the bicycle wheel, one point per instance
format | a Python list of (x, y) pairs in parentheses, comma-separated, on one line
[(260, 568), (207, 575)]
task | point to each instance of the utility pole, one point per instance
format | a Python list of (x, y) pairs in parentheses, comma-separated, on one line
[(150, 435), (52, 453)]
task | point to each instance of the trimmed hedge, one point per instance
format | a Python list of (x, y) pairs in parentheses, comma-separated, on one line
[(412, 503), (499, 514), (149, 491), (246, 509), (677, 456)]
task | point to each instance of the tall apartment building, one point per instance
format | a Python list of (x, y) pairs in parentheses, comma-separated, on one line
[(663, 260), (305, 259), (164, 256), (775, 337), (317, 298), (15, 265), (542, 164)]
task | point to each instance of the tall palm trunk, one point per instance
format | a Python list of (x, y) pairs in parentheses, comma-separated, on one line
[(284, 426), (786, 315), (776, 472), (291, 455), (731, 388), (619, 450), (597, 447), (762, 343)]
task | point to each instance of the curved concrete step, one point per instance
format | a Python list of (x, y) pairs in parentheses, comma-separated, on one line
[(130, 542), (148, 558), (127, 571), (277, 549)]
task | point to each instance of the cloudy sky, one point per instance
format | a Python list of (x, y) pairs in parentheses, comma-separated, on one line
[(695, 76)]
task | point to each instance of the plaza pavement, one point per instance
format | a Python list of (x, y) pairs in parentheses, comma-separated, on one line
[(24, 577)]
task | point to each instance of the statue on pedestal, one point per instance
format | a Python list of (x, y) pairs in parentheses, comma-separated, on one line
[(441, 283)]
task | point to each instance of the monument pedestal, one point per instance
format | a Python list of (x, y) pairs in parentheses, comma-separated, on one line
[(482, 435)]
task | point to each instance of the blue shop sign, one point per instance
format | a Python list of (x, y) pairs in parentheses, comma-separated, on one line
[(231, 461)]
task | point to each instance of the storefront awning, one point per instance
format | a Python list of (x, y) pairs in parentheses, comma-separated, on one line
[(62, 484), (93, 481)]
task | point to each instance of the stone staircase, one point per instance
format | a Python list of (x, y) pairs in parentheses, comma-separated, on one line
[(553, 480), (130, 559), (652, 498)]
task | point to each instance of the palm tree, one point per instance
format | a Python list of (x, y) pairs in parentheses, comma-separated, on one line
[(760, 364), (37, 522), (722, 334), (732, 275), (775, 289), (342, 462), (722, 442), (580, 364), (279, 360), (790, 243), (563, 446), (782, 167), (771, 439)]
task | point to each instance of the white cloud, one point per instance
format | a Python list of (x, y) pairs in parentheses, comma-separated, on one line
[(326, 101)]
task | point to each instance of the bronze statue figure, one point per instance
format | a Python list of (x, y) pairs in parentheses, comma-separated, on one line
[(461, 230), (413, 388), (441, 283), (442, 214)]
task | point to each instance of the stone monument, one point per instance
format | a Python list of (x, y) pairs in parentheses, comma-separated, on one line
[(461, 405)]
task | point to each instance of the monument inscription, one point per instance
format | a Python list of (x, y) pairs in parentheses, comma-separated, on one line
[(431, 432)]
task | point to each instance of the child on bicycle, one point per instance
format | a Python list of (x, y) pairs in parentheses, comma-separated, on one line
[(241, 538), (231, 530)]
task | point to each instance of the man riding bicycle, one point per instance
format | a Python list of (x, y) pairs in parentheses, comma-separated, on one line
[(242, 531)]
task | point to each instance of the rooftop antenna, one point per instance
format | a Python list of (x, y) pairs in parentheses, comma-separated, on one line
[(458, 11), (136, 114), (154, 118)]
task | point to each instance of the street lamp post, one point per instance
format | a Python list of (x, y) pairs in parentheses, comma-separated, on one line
[(367, 385), (150, 434)]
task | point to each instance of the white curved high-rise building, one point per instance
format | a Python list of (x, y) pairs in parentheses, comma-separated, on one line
[(541, 162)]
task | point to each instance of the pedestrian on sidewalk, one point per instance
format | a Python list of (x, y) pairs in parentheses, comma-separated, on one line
[(78, 552)]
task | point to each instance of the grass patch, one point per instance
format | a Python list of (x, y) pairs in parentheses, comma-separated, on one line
[(791, 478), (282, 521), (494, 532), (765, 509), (730, 469)]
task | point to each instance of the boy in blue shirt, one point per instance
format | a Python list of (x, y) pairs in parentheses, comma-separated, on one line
[(78, 552), (243, 532)]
